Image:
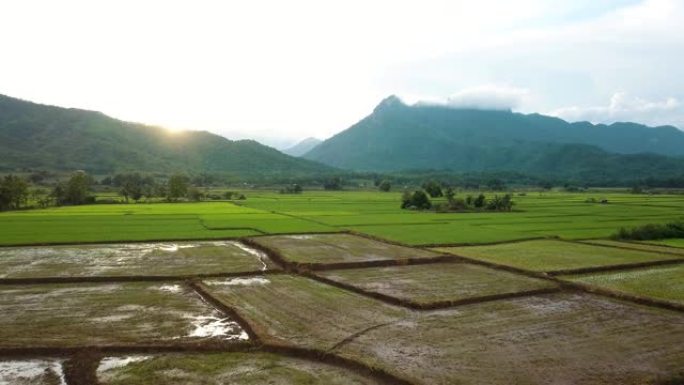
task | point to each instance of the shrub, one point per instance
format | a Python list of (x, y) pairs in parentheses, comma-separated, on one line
[(651, 231)]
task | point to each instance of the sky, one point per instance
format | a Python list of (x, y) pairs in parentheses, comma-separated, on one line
[(281, 71)]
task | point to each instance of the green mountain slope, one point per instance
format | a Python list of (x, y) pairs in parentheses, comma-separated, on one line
[(397, 137), (53, 138)]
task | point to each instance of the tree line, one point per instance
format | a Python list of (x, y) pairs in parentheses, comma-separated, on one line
[(420, 200), (16, 192)]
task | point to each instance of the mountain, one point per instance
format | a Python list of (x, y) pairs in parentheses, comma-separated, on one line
[(397, 136), (302, 147), (53, 138)]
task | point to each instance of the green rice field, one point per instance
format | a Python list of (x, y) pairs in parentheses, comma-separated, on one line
[(663, 282), (553, 255), (536, 215)]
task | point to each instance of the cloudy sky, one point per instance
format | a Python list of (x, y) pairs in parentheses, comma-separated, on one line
[(279, 71)]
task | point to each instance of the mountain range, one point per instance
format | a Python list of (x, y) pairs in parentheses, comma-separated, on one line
[(36, 136), (397, 136)]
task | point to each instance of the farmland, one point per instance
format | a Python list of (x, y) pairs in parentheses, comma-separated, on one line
[(565, 215), (330, 288)]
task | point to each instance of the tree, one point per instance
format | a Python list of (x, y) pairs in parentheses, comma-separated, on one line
[(195, 195), (177, 187), (480, 201), (13, 192), (433, 188), (76, 191), (416, 200), (334, 183), (385, 186)]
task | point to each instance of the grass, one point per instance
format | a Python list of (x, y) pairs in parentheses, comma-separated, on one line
[(62, 315), (376, 213), (333, 248), (638, 246), (677, 242), (666, 283), (550, 255), (141, 259), (303, 312), (224, 368), (558, 338), (436, 282)]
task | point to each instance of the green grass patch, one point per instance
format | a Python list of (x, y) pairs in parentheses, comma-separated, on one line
[(550, 255), (666, 282)]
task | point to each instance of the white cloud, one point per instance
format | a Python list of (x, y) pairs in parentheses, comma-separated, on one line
[(485, 97), (625, 107)]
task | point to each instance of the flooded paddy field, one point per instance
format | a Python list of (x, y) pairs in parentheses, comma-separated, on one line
[(550, 339), (132, 259), (337, 248), (302, 312), (551, 255), (68, 315), (434, 283), (223, 368), (662, 282), (35, 371)]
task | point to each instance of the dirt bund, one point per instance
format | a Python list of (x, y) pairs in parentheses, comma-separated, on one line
[(203, 292), (407, 303), (81, 368), (622, 266), (462, 244), (133, 278)]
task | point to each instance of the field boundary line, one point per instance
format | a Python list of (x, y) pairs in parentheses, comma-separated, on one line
[(133, 278), (201, 221), (354, 336), (424, 306), (313, 355), (620, 295), (467, 244), (81, 368), (118, 242), (206, 295), (618, 267), (589, 242)]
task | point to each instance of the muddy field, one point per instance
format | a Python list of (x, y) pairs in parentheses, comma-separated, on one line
[(435, 283), (337, 248), (219, 369), (229, 314), (36, 371), (143, 259), (64, 315), (551, 339), (302, 312)]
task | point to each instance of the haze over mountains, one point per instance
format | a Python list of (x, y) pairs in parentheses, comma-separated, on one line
[(397, 136), (302, 147), (53, 138)]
